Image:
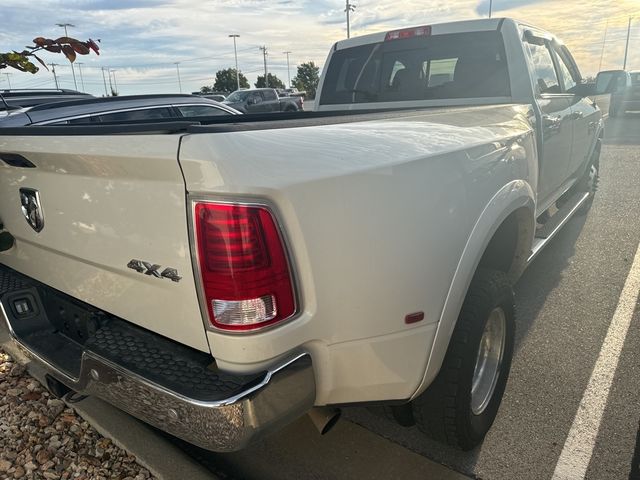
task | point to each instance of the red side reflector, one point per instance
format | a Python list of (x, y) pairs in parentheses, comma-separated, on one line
[(245, 275), (423, 31), (414, 318)]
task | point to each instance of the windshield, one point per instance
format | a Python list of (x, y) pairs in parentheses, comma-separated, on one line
[(461, 65), (237, 96)]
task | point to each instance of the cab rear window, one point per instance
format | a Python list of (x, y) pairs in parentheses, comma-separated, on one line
[(461, 65)]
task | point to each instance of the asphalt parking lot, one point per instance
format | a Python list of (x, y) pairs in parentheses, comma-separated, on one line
[(566, 302)]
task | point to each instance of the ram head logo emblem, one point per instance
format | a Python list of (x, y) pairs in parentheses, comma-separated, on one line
[(31, 208)]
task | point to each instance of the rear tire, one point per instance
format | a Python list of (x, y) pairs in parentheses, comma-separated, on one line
[(461, 404), (590, 180)]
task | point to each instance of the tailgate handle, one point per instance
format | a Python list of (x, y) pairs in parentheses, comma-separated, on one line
[(15, 160)]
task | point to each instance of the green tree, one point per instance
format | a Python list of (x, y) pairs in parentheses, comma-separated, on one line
[(274, 82), (307, 78), (226, 82)]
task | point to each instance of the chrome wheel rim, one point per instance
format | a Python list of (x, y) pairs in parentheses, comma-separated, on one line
[(489, 361)]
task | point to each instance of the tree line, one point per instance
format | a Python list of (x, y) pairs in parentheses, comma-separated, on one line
[(306, 79)]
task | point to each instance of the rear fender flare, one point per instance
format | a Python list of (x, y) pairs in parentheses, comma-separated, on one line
[(516, 195)]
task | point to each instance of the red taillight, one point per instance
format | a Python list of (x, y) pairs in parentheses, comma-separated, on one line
[(423, 31), (245, 274)]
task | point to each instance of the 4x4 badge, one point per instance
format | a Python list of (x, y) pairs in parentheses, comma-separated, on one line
[(153, 269), (31, 208)]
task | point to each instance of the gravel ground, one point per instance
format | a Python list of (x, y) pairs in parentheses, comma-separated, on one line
[(41, 438)]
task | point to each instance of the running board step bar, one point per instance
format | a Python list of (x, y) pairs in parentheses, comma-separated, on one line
[(552, 227)]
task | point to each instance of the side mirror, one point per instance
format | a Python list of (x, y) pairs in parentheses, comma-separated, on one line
[(610, 81), (605, 84)]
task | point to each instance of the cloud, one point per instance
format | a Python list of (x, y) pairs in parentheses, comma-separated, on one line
[(143, 39), (500, 5)]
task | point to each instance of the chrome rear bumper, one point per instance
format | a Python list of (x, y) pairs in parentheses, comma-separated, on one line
[(282, 394)]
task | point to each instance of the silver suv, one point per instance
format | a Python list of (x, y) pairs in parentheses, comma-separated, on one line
[(117, 109)]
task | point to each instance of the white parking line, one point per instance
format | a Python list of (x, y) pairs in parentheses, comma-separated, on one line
[(578, 448)]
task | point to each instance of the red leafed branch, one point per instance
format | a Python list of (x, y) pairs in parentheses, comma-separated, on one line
[(70, 47)]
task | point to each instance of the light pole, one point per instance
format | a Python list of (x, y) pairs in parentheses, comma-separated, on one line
[(110, 84), (65, 25), (626, 49), (104, 80), (8, 79), (266, 75), (604, 42), (178, 70), (55, 77), (288, 68), (490, 7), (115, 84), (235, 53), (349, 8), (81, 79)]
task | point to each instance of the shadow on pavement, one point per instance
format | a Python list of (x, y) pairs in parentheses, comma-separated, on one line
[(299, 452), (543, 276), (623, 130)]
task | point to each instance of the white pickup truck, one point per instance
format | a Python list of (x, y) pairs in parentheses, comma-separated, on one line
[(219, 278)]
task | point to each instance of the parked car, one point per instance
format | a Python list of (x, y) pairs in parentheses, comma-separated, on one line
[(290, 92), (117, 109), (17, 98), (263, 100), (218, 281), (626, 94), (217, 97)]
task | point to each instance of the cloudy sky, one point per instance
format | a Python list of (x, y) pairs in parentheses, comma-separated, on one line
[(143, 39)]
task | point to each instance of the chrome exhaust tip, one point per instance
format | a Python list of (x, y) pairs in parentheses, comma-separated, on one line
[(324, 418)]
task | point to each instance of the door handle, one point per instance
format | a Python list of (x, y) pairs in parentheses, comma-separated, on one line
[(551, 123), (15, 160)]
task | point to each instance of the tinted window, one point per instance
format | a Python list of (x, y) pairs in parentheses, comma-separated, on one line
[(145, 114), (544, 72), (238, 96), (269, 95), (81, 121), (255, 98), (200, 110), (464, 65)]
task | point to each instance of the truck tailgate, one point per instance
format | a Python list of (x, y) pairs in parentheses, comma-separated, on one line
[(114, 219)]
